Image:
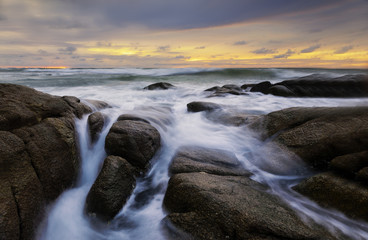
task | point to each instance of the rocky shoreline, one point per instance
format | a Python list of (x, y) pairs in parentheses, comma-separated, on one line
[(209, 195)]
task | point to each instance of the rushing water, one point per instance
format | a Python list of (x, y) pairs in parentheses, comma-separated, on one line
[(166, 110)]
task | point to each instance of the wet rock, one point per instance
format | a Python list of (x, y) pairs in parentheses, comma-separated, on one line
[(362, 175), (231, 118), (96, 122), (111, 189), (199, 159), (136, 141), (261, 87), (212, 89), (333, 191), (202, 106), (280, 90), (131, 117), (225, 90), (38, 154), (231, 207), (247, 86), (233, 87), (350, 164), (159, 86), (97, 105), (317, 85)]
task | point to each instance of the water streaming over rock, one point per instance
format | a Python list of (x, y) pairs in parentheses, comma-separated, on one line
[(166, 110)]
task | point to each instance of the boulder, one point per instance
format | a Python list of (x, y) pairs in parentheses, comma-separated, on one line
[(233, 87), (317, 135), (231, 118), (131, 117), (136, 141), (202, 106), (350, 164), (97, 105), (96, 121), (199, 159), (317, 85), (332, 191), (159, 86), (111, 189), (261, 87), (38, 155), (231, 207)]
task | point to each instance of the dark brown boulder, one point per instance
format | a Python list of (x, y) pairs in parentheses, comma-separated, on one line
[(136, 141), (159, 86), (111, 189), (350, 164), (317, 135), (96, 121), (198, 159), (261, 87), (231, 207), (333, 191), (131, 117), (38, 154), (202, 106)]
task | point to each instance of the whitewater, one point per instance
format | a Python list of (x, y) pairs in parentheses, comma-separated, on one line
[(166, 110)]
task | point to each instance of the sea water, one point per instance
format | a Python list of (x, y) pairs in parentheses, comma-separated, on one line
[(166, 110)]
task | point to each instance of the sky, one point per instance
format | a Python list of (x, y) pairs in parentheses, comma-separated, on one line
[(184, 33)]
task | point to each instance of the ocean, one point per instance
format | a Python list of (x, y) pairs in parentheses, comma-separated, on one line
[(167, 111)]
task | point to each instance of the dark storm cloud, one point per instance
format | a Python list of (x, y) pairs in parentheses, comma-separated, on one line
[(264, 51), (169, 14), (343, 49), (285, 55), (310, 49), (239, 43)]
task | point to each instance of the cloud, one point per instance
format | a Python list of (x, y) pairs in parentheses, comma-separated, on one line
[(165, 48), (201, 47), (264, 51), (67, 50), (42, 52), (344, 49), (285, 55), (310, 49), (168, 14), (239, 43), (182, 57)]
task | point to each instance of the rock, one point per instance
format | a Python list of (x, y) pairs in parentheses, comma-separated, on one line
[(131, 117), (96, 121), (261, 87), (233, 87), (317, 135), (337, 132), (317, 85), (350, 164), (231, 207), (212, 89), (111, 189), (332, 191), (136, 141), (281, 90), (159, 86), (199, 159), (231, 118), (96, 104), (362, 175), (38, 155), (202, 106), (247, 86)]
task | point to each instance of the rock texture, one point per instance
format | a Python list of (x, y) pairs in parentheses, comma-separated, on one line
[(159, 86), (333, 191), (111, 189), (136, 141), (225, 90), (130, 144), (202, 106), (317, 85), (208, 197), (96, 121), (38, 155), (328, 139)]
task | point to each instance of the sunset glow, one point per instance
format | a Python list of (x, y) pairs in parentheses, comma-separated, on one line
[(328, 34)]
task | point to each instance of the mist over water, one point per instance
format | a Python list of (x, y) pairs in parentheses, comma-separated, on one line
[(166, 110)]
